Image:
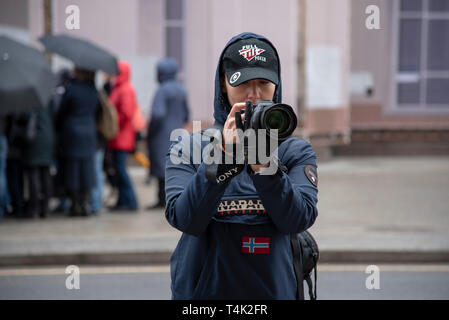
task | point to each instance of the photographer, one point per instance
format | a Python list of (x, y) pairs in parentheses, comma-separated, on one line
[(235, 242)]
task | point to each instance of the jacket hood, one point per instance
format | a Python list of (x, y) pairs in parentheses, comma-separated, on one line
[(167, 69), (221, 104), (124, 74)]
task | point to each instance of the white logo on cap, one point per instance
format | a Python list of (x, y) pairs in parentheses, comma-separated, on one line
[(234, 77), (250, 52)]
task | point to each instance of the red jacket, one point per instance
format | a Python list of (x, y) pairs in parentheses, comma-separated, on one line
[(124, 99)]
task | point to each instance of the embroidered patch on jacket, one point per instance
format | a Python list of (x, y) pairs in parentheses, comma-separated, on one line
[(241, 207), (311, 174), (256, 245)]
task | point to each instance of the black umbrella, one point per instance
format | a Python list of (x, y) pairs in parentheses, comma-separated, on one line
[(26, 79), (82, 53)]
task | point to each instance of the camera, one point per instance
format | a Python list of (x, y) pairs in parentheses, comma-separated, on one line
[(268, 115)]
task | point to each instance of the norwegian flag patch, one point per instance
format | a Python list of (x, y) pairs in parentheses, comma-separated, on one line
[(256, 245)]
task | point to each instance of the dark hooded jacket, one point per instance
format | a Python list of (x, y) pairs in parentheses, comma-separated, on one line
[(168, 112), (76, 120), (236, 236), (39, 150)]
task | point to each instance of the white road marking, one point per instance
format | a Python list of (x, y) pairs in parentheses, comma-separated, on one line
[(85, 270), (385, 267), (20, 271)]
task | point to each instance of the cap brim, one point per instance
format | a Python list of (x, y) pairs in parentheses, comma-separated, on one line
[(247, 74)]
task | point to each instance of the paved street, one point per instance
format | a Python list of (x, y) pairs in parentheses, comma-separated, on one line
[(371, 210), (334, 282), (379, 203)]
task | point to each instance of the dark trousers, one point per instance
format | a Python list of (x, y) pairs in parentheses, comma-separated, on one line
[(40, 190), (14, 174), (80, 205), (126, 195), (161, 192)]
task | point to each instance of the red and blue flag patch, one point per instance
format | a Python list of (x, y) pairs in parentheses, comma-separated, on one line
[(256, 245)]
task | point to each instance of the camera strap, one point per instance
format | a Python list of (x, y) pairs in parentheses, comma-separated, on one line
[(221, 173)]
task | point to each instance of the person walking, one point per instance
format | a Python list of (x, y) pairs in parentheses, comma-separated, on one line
[(124, 99), (169, 111)]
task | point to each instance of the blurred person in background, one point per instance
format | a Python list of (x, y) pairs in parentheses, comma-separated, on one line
[(30, 156), (38, 157), (97, 192), (16, 131), (65, 79), (124, 99), (4, 195), (169, 111), (108, 161), (76, 122)]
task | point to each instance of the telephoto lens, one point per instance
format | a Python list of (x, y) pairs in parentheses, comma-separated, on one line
[(270, 116)]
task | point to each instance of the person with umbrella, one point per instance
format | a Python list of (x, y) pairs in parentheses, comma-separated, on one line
[(26, 83), (80, 110), (76, 123)]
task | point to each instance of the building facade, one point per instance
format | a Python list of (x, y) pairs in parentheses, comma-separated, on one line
[(359, 90)]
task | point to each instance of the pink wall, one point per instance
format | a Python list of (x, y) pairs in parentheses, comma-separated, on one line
[(209, 26), (328, 58), (112, 24), (371, 50)]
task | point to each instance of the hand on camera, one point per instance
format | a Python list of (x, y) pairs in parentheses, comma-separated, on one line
[(230, 135)]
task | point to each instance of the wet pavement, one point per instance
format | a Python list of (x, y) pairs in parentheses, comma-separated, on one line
[(379, 209)]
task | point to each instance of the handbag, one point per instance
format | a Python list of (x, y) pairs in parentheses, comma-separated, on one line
[(108, 120)]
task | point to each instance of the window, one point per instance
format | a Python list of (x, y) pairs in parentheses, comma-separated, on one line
[(422, 57), (174, 31)]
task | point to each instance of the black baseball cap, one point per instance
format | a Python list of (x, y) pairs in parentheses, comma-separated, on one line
[(249, 59)]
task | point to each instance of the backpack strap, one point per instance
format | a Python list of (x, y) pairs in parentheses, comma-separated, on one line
[(310, 286), (297, 264), (297, 260), (310, 242)]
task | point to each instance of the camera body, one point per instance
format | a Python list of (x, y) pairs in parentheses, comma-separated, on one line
[(268, 115)]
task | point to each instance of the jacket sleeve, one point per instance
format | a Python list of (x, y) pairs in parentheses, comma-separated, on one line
[(191, 200), (290, 198)]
